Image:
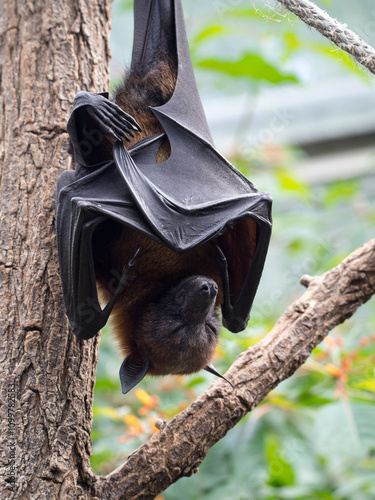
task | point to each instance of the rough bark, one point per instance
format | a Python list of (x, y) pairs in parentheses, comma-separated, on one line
[(49, 51)]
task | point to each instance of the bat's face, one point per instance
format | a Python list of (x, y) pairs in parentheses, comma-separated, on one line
[(178, 334)]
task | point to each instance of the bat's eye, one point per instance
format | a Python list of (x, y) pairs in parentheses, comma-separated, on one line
[(178, 330), (212, 328)]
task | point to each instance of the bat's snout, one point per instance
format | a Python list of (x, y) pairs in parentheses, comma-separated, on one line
[(208, 288), (195, 294)]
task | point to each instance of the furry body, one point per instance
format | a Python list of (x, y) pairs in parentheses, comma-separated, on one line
[(157, 269)]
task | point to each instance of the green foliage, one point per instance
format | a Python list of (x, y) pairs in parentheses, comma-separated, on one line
[(340, 192), (249, 66), (124, 5)]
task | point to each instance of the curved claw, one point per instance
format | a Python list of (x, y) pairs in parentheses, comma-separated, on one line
[(106, 124), (211, 369), (125, 116), (118, 121), (132, 260), (126, 273)]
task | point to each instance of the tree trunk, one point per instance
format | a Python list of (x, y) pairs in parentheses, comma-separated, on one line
[(49, 51)]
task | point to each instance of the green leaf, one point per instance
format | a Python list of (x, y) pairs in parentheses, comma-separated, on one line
[(340, 192), (99, 459), (291, 183), (291, 40), (106, 384), (125, 5), (280, 471), (195, 381), (210, 32), (250, 66), (344, 449), (341, 57), (108, 412), (252, 12)]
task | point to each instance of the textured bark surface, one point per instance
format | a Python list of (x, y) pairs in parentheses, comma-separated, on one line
[(49, 51), (179, 448)]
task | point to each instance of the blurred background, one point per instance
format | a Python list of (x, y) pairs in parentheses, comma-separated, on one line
[(297, 116)]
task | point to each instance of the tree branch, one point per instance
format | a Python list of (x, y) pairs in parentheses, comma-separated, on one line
[(180, 446), (336, 32)]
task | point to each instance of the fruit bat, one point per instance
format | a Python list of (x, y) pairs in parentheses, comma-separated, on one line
[(154, 220)]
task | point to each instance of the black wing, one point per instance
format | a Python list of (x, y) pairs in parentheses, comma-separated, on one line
[(194, 196)]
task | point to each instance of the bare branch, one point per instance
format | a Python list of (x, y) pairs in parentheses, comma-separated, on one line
[(336, 32), (180, 446)]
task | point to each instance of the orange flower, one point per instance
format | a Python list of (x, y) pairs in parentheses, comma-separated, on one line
[(330, 342), (347, 363), (147, 400), (152, 424), (333, 370), (219, 352), (364, 341), (135, 426)]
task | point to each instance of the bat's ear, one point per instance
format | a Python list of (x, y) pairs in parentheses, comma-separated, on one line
[(132, 372), (211, 369)]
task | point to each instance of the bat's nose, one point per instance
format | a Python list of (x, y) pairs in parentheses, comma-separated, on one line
[(208, 288)]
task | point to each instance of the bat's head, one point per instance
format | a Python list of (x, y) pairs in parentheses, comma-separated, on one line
[(177, 334)]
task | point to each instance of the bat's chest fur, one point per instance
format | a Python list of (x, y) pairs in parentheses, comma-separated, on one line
[(156, 271)]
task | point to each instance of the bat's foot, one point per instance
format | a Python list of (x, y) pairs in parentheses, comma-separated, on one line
[(109, 117)]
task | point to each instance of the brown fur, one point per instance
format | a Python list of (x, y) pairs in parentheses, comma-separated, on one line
[(156, 268)]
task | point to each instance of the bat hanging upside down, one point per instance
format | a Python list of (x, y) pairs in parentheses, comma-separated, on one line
[(154, 218)]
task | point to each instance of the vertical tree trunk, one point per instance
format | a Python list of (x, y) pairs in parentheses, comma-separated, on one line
[(49, 50)]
